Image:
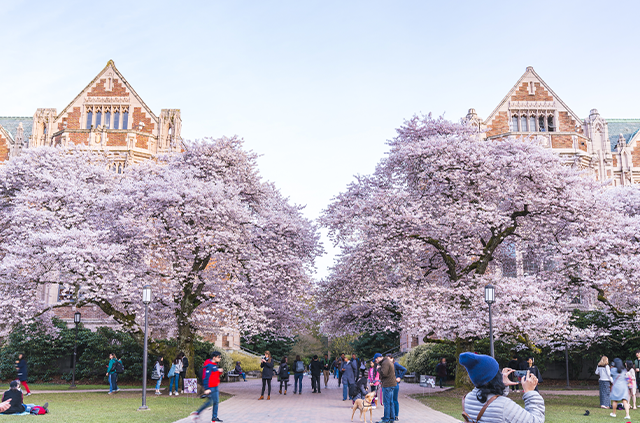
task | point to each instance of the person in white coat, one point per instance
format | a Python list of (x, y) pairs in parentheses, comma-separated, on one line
[(488, 402), (604, 372)]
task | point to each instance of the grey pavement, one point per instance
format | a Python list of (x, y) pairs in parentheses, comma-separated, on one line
[(310, 408)]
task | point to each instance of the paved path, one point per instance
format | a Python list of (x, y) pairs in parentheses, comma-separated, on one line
[(328, 406)]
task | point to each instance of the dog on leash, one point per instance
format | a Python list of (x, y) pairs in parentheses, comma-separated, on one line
[(364, 405)]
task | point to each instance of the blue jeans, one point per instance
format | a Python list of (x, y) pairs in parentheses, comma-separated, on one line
[(174, 380), (345, 389), (244, 376), (396, 404), (297, 382), (113, 382), (158, 382), (389, 409), (335, 374), (212, 401), (28, 407)]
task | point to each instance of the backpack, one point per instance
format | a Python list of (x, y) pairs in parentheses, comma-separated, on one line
[(299, 367), (38, 410), (172, 371), (119, 367)]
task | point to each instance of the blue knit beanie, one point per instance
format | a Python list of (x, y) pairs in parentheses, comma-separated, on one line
[(481, 368)]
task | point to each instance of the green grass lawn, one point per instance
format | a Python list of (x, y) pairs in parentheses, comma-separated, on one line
[(116, 408), (559, 408), (64, 387)]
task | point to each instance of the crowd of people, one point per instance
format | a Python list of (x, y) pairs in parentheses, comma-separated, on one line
[(619, 383)]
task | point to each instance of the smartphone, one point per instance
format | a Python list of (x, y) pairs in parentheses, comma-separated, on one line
[(520, 373)]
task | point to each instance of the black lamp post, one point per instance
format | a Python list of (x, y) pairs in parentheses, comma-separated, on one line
[(489, 298), (146, 299), (76, 320)]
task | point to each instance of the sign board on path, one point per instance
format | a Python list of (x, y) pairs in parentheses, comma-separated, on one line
[(427, 381), (190, 386)]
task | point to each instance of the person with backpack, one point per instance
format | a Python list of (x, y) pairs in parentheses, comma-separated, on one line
[(23, 373), (185, 365), (112, 373), (174, 375), (158, 373), (267, 374), (283, 374), (298, 373), (210, 382), (487, 402), (15, 399)]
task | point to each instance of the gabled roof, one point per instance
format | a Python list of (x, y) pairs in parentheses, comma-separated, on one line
[(10, 123), (628, 128), (109, 65), (530, 72)]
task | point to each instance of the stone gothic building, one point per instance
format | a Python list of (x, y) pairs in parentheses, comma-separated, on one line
[(108, 116), (608, 148)]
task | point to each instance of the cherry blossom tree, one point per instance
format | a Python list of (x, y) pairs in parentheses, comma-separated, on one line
[(222, 249), (421, 236)]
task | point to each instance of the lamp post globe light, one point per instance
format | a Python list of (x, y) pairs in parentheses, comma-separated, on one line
[(76, 319), (489, 298), (146, 299)]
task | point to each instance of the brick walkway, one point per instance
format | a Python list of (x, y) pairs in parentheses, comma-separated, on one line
[(310, 408)]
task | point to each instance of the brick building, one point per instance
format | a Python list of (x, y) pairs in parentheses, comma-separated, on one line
[(107, 116)]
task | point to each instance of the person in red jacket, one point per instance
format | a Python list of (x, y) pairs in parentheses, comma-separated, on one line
[(210, 381)]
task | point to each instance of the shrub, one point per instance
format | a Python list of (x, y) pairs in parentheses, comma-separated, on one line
[(423, 359), (249, 363)]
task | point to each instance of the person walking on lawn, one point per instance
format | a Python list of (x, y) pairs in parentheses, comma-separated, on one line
[(298, 373), (267, 374), (315, 368), (23, 373), (441, 371), (326, 369), (210, 382), (388, 381), (112, 374)]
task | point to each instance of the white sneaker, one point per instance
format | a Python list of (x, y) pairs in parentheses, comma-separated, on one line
[(170, 393), (176, 394), (374, 407)]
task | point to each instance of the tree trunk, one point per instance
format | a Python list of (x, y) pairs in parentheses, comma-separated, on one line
[(462, 377)]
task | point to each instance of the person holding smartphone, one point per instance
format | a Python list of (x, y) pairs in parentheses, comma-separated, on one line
[(488, 398)]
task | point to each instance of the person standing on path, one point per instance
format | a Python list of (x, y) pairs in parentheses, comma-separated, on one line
[(326, 369), (315, 368), (441, 371), (185, 366), (23, 372), (374, 382), (112, 374), (388, 382), (400, 372), (267, 374), (210, 382), (349, 372), (298, 373), (158, 373), (283, 374), (489, 395), (174, 375), (620, 388), (341, 367), (604, 381), (335, 368)]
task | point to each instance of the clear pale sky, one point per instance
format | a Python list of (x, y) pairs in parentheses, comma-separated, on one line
[(317, 87)]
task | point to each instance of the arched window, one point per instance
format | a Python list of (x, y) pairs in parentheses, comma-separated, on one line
[(89, 119), (532, 124), (551, 127), (523, 123), (514, 124), (541, 124), (119, 168)]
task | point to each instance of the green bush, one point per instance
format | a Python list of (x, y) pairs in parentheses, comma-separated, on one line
[(249, 363), (423, 359)]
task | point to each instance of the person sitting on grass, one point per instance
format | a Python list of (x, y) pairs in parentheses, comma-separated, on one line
[(488, 402), (14, 398)]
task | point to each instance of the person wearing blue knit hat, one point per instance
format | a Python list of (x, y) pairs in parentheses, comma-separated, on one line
[(488, 400)]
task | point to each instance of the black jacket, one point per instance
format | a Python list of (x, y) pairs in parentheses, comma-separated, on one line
[(16, 401), (267, 369), (22, 370), (315, 367), (185, 364), (283, 373)]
